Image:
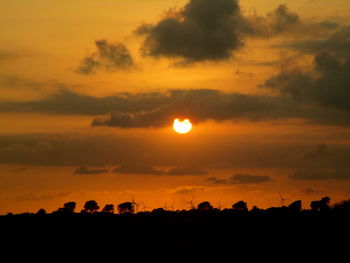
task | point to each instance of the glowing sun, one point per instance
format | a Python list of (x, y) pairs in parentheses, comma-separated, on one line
[(182, 127)]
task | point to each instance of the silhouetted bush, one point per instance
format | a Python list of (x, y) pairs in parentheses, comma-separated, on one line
[(295, 206), (240, 206), (69, 207), (91, 206), (108, 209), (321, 205), (205, 206), (126, 208), (41, 211)]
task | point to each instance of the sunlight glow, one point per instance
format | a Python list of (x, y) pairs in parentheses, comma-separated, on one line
[(182, 127)]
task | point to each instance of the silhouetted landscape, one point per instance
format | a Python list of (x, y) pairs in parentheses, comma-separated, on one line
[(201, 229)]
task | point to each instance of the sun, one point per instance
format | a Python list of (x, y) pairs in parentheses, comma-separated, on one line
[(182, 127)]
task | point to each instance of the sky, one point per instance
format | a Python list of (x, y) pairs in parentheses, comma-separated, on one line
[(89, 90)]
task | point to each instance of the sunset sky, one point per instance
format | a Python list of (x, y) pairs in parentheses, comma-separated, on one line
[(89, 90)]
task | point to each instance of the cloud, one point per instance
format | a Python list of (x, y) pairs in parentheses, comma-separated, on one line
[(201, 30), (337, 43), (87, 170), (240, 179), (4, 55), (206, 151), (326, 85), (320, 175), (65, 101), (201, 105), (186, 189), (137, 169), (206, 30), (40, 197), (310, 190), (185, 171), (320, 152), (215, 180), (158, 109), (108, 57)]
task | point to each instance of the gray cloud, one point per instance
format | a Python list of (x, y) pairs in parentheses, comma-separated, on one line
[(108, 57), (155, 109), (310, 190), (137, 169), (320, 152), (320, 175), (240, 179), (212, 30), (87, 170), (337, 43), (326, 85), (65, 101), (186, 190), (185, 171), (201, 30), (206, 151), (39, 197)]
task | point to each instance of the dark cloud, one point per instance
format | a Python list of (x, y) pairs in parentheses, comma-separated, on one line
[(155, 109), (337, 43), (201, 30), (327, 85), (216, 180), (20, 169), (40, 197), (108, 57), (4, 55), (199, 105), (281, 20), (240, 179), (185, 171), (87, 170), (65, 101), (204, 151), (186, 190), (321, 151), (320, 175), (249, 179), (310, 190), (137, 169), (212, 30)]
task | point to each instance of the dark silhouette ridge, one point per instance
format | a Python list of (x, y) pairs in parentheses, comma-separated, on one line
[(317, 207), (200, 232)]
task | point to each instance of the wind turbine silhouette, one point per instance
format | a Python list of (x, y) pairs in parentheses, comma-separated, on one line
[(191, 203), (134, 203), (143, 206), (282, 200)]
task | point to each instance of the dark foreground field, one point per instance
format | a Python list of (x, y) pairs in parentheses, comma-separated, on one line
[(219, 235)]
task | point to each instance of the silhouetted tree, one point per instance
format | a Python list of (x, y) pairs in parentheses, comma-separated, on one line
[(108, 209), (158, 211), (343, 206), (205, 206), (321, 205), (256, 210), (126, 208), (69, 207), (41, 211), (91, 206), (240, 206), (295, 206)]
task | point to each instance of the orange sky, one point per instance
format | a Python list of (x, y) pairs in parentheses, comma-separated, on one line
[(272, 105)]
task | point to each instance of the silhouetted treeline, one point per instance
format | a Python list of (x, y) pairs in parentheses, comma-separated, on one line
[(203, 231), (91, 207)]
